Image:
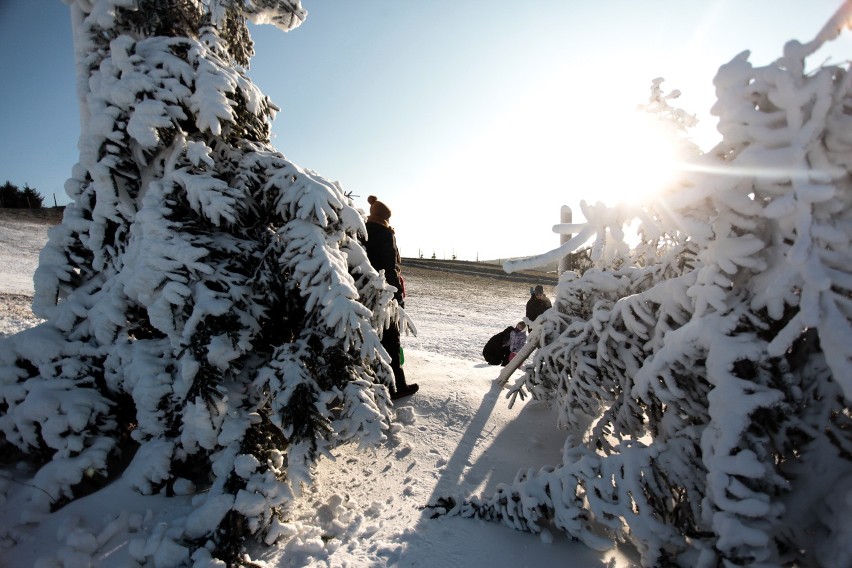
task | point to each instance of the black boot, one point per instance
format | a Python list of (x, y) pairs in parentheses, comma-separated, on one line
[(404, 390)]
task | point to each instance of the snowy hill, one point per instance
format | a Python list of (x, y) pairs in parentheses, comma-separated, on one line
[(485, 269), (455, 436)]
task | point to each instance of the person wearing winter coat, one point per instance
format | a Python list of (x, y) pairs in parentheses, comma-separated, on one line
[(496, 350), (517, 339), (537, 304), (384, 255)]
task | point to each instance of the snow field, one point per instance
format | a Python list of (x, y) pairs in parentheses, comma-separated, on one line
[(456, 436)]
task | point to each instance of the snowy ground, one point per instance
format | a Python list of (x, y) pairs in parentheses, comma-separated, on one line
[(456, 436)]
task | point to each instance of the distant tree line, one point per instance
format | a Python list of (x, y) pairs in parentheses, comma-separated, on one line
[(14, 197)]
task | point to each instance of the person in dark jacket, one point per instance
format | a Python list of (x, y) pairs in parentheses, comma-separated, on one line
[(537, 304), (496, 350), (384, 255)]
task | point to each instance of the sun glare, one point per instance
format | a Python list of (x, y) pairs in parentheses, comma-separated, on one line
[(627, 162), (540, 153)]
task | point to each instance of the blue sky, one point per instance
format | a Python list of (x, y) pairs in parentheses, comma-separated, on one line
[(473, 120)]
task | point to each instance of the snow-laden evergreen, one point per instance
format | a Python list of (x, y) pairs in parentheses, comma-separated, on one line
[(704, 375), (211, 314)]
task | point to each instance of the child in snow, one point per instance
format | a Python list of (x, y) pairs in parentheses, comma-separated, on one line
[(517, 339)]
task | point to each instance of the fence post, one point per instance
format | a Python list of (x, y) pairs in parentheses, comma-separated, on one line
[(565, 263)]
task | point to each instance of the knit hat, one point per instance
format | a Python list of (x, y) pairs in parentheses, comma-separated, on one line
[(378, 210), (539, 289)]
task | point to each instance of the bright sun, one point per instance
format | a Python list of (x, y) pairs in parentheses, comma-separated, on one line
[(532, 158), (626, 162)]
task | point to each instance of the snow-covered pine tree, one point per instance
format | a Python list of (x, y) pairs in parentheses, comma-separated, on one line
[(704, 376), (211, 315)]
